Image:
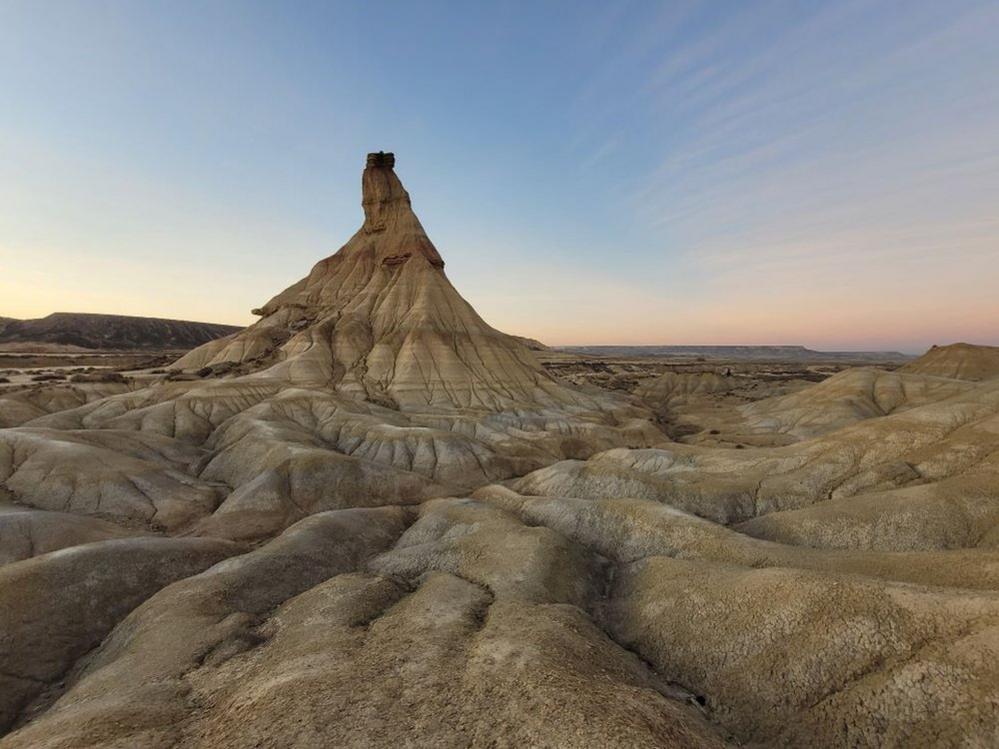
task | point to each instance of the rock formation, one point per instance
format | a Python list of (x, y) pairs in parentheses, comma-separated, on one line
[(84, 330), (370, 519), (849, 397), (962, 361), (380, 321)]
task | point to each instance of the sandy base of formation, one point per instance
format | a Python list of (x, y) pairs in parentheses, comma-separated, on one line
[(682, 554)]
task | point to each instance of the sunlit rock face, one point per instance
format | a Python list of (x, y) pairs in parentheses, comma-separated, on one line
[(371, 519), (379, 320), (369, 382)]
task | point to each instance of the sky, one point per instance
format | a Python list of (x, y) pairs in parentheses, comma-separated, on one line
[(745, 172)]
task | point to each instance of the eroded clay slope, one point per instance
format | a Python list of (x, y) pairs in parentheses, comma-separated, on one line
[(961, 361), (846, 398), (371, 520), (369, 382), (913, 479), (516, 620)]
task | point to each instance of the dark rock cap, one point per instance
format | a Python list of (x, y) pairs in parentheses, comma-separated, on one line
[(381, 159)]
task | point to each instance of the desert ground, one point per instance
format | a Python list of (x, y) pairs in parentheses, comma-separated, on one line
[(370, 519)]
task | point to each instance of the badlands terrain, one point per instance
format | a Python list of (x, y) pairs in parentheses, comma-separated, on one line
[(370, 519), (76, 346), (80, 331)]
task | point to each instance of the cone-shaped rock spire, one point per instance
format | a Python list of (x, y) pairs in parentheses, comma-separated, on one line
[(380, 320)]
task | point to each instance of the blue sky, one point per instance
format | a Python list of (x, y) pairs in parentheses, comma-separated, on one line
[(681, 172)]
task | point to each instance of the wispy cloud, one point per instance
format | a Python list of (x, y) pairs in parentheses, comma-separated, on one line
[(847, 151), (693, 170)]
